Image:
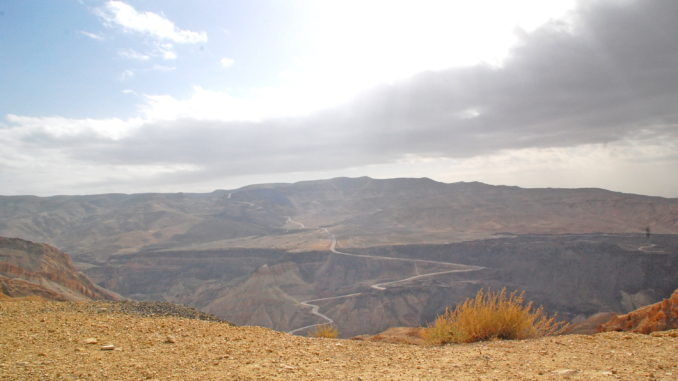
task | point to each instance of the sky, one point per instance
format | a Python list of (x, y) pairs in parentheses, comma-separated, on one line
[(178, 96)]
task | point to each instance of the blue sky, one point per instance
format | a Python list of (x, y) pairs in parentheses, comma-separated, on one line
[(62, 59), (168, 96)]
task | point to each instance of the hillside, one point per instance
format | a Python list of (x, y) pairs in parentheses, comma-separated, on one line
[(34, 269), (360, 212), (49, 341)]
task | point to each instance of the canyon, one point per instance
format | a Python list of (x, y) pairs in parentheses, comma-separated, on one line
[(366, 254)]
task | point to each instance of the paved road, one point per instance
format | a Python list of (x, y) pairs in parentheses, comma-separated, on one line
[(380, 286)]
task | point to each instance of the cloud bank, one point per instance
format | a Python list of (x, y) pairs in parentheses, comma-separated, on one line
[(600, 90)]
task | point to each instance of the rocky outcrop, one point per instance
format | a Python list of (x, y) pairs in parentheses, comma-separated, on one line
[(36, 269), (18, 289), (660, 316)]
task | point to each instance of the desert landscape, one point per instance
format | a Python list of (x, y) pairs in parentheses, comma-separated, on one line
[(321, 190), (362, 253), (342, 260), (102, 340)]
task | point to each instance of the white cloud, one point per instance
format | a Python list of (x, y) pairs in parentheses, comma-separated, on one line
[(166, 51), (56, 127), (132, 54), (226, 62), (157, 26), (92, 35), (127, 74), (162, 68), (258, 105)]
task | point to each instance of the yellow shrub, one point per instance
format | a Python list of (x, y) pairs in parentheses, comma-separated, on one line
[(325, 330), (491, 316)]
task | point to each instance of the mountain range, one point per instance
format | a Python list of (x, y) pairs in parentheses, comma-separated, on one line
[(367, 254)]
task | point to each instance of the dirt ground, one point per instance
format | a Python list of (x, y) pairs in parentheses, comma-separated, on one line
[(48, 341)]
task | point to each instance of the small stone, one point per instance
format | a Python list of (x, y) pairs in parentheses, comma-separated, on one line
[(79, 349), (607, 373), (565, 372), (91, 340), (171, 340), (42, 354), (108, 347)]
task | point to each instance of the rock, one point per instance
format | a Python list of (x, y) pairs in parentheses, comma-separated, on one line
[(91, 340), (565, 372), (171, 340), (108, 347), (79, 349), (660, 316)]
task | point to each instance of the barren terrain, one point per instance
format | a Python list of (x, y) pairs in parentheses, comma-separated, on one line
[(361, 212), (48, 341), (365, 291)]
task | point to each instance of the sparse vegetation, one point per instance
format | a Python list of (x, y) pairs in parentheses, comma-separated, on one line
[(325, 330), (491, 316)]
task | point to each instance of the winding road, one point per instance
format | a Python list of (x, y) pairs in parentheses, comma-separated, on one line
[(644, 249), (289, 219), (380, 286)]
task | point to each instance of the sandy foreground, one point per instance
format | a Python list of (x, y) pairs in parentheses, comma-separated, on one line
[(48, 341)]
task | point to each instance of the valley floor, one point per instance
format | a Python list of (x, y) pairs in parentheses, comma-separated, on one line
[(47, 341)]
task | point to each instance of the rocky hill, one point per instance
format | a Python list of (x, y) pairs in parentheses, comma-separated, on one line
[(99, 340), (34, 269)]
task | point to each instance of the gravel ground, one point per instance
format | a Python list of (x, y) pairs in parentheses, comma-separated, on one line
[(150, 309), (124, 341)]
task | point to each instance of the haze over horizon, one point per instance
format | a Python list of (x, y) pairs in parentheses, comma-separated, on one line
[(157, 96)]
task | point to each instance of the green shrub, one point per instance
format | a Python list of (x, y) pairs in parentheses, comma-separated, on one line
[(325, 330), (491, 316)]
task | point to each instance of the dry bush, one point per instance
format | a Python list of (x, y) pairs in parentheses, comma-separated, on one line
[(491, 316), (325, 330)]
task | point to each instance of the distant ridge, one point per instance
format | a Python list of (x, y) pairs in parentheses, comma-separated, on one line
[(361, 212)]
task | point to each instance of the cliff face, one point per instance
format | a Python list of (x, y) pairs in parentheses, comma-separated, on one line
[(36, 269), (660, 316)]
